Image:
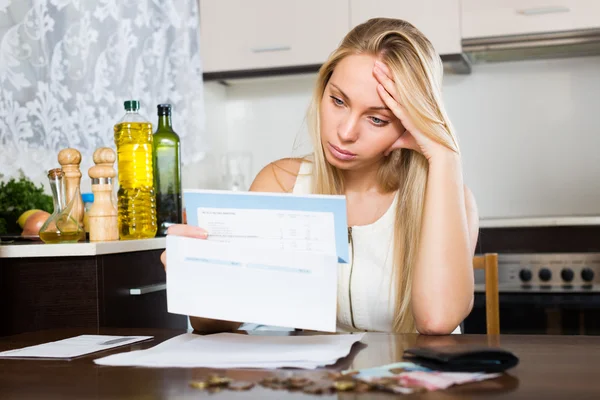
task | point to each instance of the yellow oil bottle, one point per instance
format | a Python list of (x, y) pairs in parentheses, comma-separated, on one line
[(135, 197)]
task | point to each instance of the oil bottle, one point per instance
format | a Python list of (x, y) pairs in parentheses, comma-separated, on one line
[(136, 198), (62, 226), (167, 172)]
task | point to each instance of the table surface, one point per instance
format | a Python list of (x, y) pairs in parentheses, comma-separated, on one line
[(562, 367)]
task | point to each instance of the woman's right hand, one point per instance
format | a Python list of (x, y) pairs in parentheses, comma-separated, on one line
[(183, 230)]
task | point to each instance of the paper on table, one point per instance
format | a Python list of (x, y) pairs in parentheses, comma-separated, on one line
[(230, 350), (295, 289), (73, 347)]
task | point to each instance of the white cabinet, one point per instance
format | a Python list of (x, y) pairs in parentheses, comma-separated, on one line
[(487, 18), (439, 20), (255, 34)]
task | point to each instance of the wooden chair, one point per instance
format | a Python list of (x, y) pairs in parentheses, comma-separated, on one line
[(489, 263)]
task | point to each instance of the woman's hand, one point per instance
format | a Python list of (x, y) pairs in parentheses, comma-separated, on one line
[(412, 138), (183, 230)]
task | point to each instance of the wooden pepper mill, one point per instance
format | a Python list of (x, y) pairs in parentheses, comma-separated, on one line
[(69, 160), (102, 215)]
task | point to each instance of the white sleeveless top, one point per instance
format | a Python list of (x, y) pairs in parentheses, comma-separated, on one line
[(369, 306)]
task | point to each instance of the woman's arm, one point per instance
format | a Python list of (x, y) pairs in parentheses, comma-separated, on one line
[(442, 289)]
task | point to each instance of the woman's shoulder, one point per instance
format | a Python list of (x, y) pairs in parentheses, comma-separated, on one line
[(278, 176)]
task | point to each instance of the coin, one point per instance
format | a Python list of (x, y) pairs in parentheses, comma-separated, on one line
[(318, 388), (344, 385), (297, 383), (198, 385), (272, 382), (216, 380), (240, 386), (362, 387)]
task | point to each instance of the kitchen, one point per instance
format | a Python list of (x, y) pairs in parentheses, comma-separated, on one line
[(520, 96), (523, 105)]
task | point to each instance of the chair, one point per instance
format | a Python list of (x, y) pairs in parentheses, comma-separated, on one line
[(489, 263)]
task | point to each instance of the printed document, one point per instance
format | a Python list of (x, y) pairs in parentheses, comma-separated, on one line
[(73, 347), (272, 266)]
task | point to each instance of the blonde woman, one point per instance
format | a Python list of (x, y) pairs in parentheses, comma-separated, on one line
[(382, 138)]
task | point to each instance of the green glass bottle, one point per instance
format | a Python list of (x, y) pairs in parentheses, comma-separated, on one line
[(167, 172)]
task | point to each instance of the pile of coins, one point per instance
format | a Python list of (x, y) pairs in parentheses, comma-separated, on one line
[(216, 383), (330, 383)]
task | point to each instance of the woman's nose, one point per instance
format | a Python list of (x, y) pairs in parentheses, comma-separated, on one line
[(348, 129)]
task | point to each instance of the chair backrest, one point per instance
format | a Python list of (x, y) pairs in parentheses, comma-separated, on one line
[(489, 263)]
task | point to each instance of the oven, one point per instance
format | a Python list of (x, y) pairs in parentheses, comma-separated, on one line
[(543, 293)]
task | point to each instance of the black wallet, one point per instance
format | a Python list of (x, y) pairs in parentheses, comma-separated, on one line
[(462, 358)]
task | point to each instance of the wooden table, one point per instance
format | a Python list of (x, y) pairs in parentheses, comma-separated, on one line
[(560, 367)]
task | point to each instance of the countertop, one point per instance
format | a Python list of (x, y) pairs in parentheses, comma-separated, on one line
[(39, 249), (539, 222)]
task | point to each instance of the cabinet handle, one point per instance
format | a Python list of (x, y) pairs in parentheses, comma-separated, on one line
[(148, 289), (543, 10), (270, 49)]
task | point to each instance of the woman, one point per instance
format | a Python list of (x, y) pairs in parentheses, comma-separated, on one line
[(382, 138)]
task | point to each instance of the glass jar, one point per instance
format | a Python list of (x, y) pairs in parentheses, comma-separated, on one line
[(61, 226)]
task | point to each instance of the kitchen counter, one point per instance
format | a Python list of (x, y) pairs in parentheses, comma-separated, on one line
[(39, 249), (86, 285), (539, 222)]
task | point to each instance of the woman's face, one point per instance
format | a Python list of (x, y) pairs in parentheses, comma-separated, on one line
[(356, 126)]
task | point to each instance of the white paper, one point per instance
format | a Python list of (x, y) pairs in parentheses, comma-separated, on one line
[(270, 229), (231, 281), (253, 217), (229, 350), (73, 347)]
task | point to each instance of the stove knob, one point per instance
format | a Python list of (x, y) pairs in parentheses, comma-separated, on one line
[(567, 274), (525, 275), (587, 274), (545, 274)]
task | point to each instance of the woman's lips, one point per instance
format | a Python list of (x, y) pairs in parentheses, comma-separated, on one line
[(340, 154)]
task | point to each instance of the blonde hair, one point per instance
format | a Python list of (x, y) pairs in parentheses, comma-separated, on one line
[(414, 63)]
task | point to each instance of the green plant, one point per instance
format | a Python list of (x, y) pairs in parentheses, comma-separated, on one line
[(18, 196)]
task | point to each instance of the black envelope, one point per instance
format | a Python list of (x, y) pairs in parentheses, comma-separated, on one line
[(462, 358)]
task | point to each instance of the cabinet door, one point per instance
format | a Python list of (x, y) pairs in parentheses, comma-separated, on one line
[(256, 34), (517, 17), (133, 292), (437, 19)]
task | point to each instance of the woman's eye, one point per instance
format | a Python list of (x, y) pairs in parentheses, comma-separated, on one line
[(337, 101), (378, 121)]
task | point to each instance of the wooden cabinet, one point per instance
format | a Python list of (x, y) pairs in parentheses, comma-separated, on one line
[(124, 290), (133, 292), (439, 20), (238, 35), (517, 17)]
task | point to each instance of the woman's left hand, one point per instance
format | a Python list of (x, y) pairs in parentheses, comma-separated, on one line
[(412, 138)]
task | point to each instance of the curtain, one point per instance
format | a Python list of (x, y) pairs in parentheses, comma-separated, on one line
[(66, 66)]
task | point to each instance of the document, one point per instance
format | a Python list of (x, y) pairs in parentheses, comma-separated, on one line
[(231, 350), (269, 259), (231, 282), (73, 347), (265, 220)]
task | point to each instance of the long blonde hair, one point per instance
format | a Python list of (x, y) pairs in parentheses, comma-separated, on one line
[(417, 71)]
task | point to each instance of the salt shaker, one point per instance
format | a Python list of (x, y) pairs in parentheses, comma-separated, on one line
[(102, 215)]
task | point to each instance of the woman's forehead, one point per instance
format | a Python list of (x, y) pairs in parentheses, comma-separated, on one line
[(353, 75)]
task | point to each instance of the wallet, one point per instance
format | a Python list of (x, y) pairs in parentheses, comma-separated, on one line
[(462, 358)]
